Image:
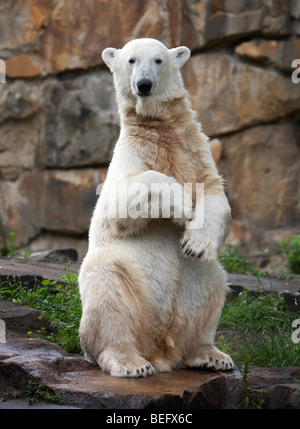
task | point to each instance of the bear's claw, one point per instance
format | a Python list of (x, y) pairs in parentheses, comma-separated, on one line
[(189, 251), (195, 244)]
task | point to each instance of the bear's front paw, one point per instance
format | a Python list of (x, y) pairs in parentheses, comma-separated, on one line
[(197, 245)]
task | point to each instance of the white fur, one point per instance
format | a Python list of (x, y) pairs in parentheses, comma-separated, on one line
[(166, 77), (146, 305)]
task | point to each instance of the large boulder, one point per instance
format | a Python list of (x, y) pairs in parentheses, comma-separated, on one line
[(277, 53), (261, 167), (81, 120), (229, 95), (45, 38), (28, 205)]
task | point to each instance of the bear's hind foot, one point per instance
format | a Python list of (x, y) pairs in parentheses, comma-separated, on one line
[(122, 364), (210, 357)]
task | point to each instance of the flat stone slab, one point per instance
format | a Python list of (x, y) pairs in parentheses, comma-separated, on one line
[(33, 271), (83, 385), (264, 284), (86, 386), (257, 285)]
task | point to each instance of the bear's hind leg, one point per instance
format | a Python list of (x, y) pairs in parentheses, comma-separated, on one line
[(115, 325), (208, 299)]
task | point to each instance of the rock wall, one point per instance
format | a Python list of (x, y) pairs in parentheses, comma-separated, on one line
[(59, 122)]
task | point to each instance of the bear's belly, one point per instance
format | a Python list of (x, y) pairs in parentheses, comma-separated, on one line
[(156, 255)]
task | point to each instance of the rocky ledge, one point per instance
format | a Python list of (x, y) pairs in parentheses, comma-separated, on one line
[(82, 385)]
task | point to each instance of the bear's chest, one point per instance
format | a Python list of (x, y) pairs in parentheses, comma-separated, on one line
[(167, 150)]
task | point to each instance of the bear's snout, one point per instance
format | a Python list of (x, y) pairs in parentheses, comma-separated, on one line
[(144, 87)]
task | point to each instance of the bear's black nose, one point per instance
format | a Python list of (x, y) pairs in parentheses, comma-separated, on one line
[(144, 86)]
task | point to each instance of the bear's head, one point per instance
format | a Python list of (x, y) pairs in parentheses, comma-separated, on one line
[(146, 73)]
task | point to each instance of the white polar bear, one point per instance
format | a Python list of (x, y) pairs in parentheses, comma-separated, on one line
[(151, 287)]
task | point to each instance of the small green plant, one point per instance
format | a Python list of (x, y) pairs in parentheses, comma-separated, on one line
[(26, 254), (12, 395), (39, 392), (291, 250), (11, 248), (234, 262), (250, 398), (34, 392)]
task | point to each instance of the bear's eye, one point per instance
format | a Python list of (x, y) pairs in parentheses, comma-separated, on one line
[(131, 60), (158, 61)]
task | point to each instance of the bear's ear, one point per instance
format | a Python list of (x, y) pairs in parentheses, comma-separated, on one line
[(109, 56), (181, 54)]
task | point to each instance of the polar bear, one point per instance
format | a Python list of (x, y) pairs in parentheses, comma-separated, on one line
[(151, 287)]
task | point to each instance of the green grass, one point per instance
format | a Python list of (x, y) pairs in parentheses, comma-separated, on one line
[(60, 303), (259, 326), (235, 262), (291, 250)]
